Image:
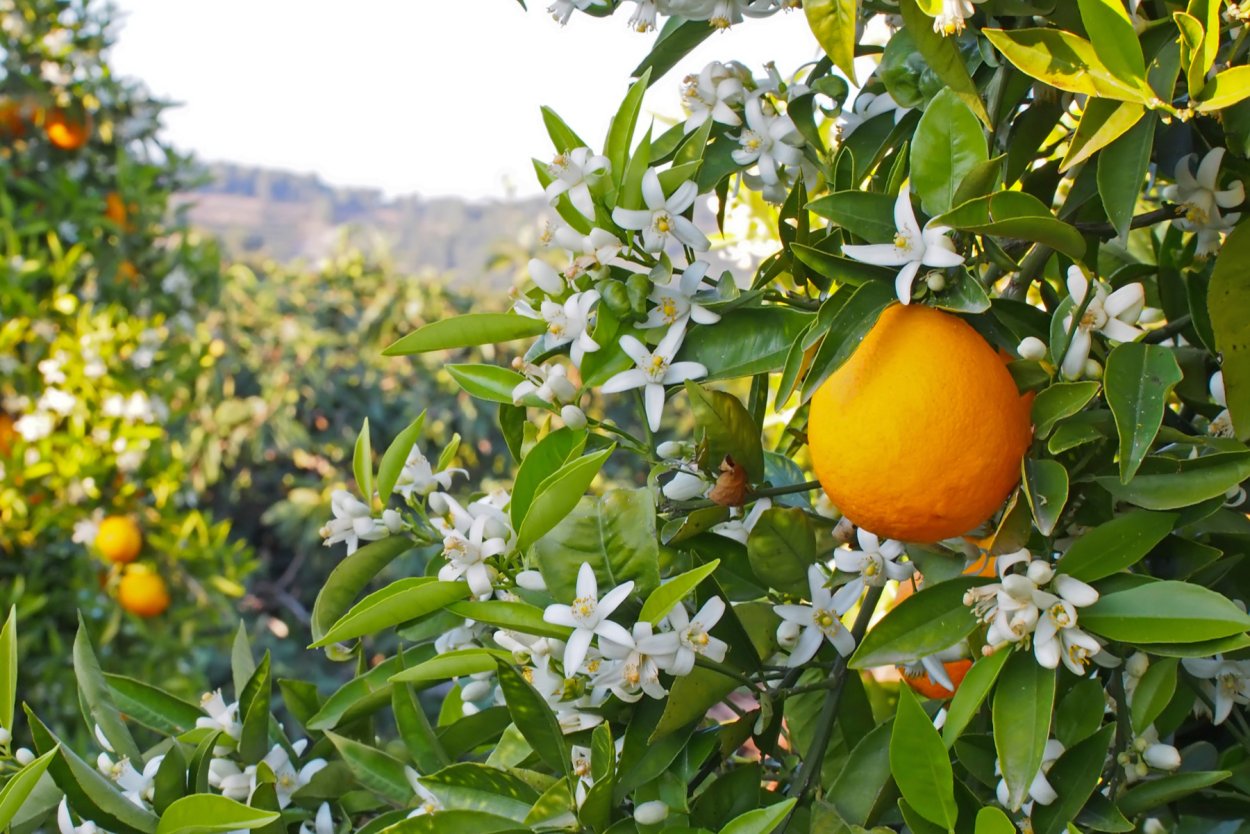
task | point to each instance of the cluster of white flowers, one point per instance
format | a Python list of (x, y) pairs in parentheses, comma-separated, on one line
[(354, 522), (1201, 199), (913, 247), (471, 536), (1111, 313), (1036, 606), (720, 14)]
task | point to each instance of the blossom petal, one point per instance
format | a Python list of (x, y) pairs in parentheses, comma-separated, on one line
[(652, 191), (904, 216), (575, 650), (613, 598), (902, 283), (879, 254), (587, 585), (653, 399), (806, 647), (624, 381), (631, 218)]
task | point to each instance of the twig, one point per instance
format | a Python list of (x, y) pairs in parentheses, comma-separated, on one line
[(1148, 219), (1168, 330), (1030, 269)]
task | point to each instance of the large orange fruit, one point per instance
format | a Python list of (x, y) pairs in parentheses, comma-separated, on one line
[(119, 539), (143, 593), (66, 130), (920, 434)]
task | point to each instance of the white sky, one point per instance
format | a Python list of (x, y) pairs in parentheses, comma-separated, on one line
[(435, 97)]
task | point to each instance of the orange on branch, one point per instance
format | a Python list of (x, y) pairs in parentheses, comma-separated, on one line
[(920, 434), (143, 593), (7, 433), (65, 130), (12, 119), (119, 539), (928, 688), (115, 209)]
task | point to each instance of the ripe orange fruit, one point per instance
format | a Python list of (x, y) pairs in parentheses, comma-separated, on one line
[(143, 593), (7, 433), (920, 434), (66, 130), (115, 209), (119, 539), (12, 119), (926, 687)]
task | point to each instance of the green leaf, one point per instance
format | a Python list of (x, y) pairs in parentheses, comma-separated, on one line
[(1227, 300), (727, 429), (690, 698), (1115, 545), (971, 694), (1121, 170), (1064, 60), (864, 786), (541, 462), (453, 664), (621, 130), (170, 781), (534, 719), (920, 763), (942, 55), (1224, 90), (362, 463), (662, 599), (1074, 776), (1164, 612), (834, 23), (1115, 40), (850, 325), (866, 214), (1046, 486), (517, 616), (396, 456), (475, 787), (948, 144), (677, 39), (350, 577), (557, 496), (1138, 380), (781, 547), (563, 138), (207, 812), (467, 331), (745, 342), (1023, 701), (761, 820), (8, 669), (1063, 399), (1153, 692), (375, 770), (97, 701), (402, 600), (414, 728), (486, 382), (254, 703), (1015, 214), (242, 662), (19, 787), (1148, 795), (928, 621), (1102, 122), (615, 534), (1171, 483), (90, 793), (991, 820), (151, 706), (452, 821)]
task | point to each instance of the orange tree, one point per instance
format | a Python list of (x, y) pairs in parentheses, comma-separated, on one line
[(988, 214), (101, 342)]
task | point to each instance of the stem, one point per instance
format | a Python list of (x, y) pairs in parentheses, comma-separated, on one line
[(767, 492), (1123, 730), (809, 773), (1148, 219), (1168, 330), (1030, 268)]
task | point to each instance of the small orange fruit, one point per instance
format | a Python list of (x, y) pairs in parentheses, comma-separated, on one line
[(119, 539), (928, 688), (66, 130), (12, 119), (143, 593), (129, 273), (115, 208), (7, 433), (920, 434)]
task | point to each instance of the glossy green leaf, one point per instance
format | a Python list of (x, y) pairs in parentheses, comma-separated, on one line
[(396, 456), (1227, 88), (864, 786), (1102, 122), (920, 763), (943, 56), (1153, 692), (362, 463), (1074, 776), (1227, 300), (727, 429), (1115, 545), (1046, 486), (761, 820), (865, 214), (350, 577), (242, 661), (151, 706), (8, 669), (662, 599), (948, 145), (517, 616), (1164, 612), (486, 382), (403, 600), (19, 786), (1138, 380), (534, 718), (541, 462), (563, 137), (1063, 399), (690, 698), (676, 40), (377, 771), (781, 547), (558, 495), (834, 23), (414, 728), (208, 812), (1023, 701), (254, 703), (474, 787), (928, 621), (1064, 60), (96, 698), (991, 820), (452, 821), (621, 130), (850, 325), (1122, 170), (1171, 483), (1015, 214), (452, 664), (615, 534), (744, 342), (1115, 40), (1148, 795), (467, 331), (971, 694)]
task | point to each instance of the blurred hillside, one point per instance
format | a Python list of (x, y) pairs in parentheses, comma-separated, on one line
[(261, 212)]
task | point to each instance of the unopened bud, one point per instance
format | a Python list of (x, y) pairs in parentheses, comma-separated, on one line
[(573, 417), (651, 813), (1091, 369), (1040, 572), (23, 756), (1150, 315), (475, 691), (531, 580), (1162, 756), (5, 737), (671, 450), (788, 634), (1137, 664), (1032, 347), (936, 281)]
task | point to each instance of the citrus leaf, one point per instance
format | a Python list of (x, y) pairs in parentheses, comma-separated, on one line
[(1227, 300), (97, 700), (402, 600), (534, 718), (928, 621), (1138, 380), (948, 144), (661, 601), (1064, 60), (1153, 692), (362, 463), (971, 694), (206, 812), (1015, 214), (558, 495), (1074, 776), (727, 429), (1164, 612), (761, 820), (486, 382), (834, 23), (781, 547), (920, 764), (1115, 545), (1171, 483), (377, 771), (20, 785), (467, 331), (1063, 399), (1023, 701), (548, 455), (453, 664), (396, 456), (1046, 486), (517, 616), (350, 577)]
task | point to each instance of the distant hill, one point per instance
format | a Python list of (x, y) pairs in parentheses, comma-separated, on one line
[(261, 212)]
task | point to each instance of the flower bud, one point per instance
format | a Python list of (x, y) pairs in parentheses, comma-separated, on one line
[(531, 580), (1154, 826), (684, 486), (1150, 315), (1032, 347), (475, 691), (1162, 756), (1091, 369), (788, 634), (23, 756), (651, 813), (5, 737), (1019, 587), (1040, 572), (673, 450), (936, 281), (1216, 387), (469, 709), (573, 417), (1137, 664), (393, 521), (1075, 591)]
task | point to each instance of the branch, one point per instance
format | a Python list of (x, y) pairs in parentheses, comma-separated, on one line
[(1168, 330), (1148, 219)]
